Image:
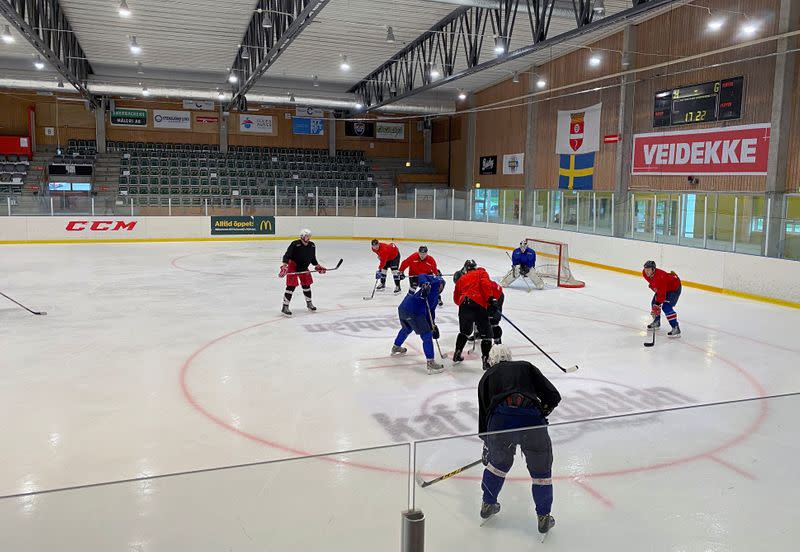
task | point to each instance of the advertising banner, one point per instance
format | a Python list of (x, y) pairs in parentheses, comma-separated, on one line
[(735, 150), (312, 112), (359, 129), (488, 164), (513, 163), (390, 131), (199, 105), (315, 127), (259, 124), (163, 118), (129, 117), (238, 225)]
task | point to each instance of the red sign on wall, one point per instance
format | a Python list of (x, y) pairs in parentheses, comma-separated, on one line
[(737, 150)]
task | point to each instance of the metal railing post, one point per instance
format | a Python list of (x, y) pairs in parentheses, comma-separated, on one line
[(376, 202), (612, 213), (452, 204), (92, 206), (337, 201), (735, 220), (395, 203), (296, 202), (547, 215), (415, 202), (633, 214), (705, 222), (241, 206), (655, 208), (561, 202), (519, 208), (594, 212), (434, 204), (276, 200), (680, 217), (52, 211), (169, 206), (316, 201), (8, 202), (356, 201), (205, 201), (766, 225), (577, 211)]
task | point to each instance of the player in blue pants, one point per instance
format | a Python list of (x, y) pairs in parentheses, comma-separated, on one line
[(417, 314)]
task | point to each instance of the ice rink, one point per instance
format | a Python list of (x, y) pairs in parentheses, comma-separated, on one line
[(173, 357)]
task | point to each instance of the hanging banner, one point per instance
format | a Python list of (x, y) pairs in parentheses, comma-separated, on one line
[(735, 150), (390, 131), (129, 117), (199, 105), (513, 163), (579, 130), (163, 118), (488, 164), (313, 112), (206, 119), (359, 129), (314, 127), (259, 124)]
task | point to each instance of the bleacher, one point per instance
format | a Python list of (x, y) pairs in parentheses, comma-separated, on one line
[(13, 169), (192, 173)]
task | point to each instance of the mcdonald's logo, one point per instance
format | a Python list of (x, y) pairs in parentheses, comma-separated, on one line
[(264, 225)]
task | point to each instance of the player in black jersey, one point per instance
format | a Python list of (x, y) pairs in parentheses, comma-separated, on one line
[(299, 256)]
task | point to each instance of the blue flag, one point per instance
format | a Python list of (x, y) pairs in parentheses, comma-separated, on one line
[(576, 172)]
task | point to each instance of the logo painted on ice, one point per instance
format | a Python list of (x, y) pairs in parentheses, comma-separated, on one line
[(368, 326)]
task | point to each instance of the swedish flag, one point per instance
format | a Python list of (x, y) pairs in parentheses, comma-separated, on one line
[(576, 172)]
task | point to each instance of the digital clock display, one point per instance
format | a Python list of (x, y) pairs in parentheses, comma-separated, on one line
[(711, 101)]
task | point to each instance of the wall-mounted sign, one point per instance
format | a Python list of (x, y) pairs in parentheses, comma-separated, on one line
[(302, 125), (129, 117), (163, 118), (259, 124), (359, 129), (199, 105), (390, 131)]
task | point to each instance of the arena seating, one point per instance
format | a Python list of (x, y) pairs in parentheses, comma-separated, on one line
[(13, 169)]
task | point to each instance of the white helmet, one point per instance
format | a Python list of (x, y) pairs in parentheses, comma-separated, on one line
[(523, 245), (499, 353), (305, 232)]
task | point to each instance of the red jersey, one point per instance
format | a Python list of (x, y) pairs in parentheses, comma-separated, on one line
[(497, 290), (417, 266), (476, 285), (662, 283), (386, 252)]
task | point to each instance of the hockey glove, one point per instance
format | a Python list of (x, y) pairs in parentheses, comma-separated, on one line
[(655, 311), (485, 455), (546, 410), (425, 289), (524, 270), (401, 276), (284, 270), (321, 269), (435, 331)]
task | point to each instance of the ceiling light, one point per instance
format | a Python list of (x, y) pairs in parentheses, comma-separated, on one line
[(60, 83), (594, 60), (145, 91), (390, 35), (232, 78), (515, 77), (221, 95), (715, 24), (541, 83), (599, 7), (291, 97), (462, 95), (315, 81), (245, 53), (8, 38), (749, 28), (359, 105), (344, 65), (38, 63), (499, 45), (124, 10), (139, 68), (408, 163), (266, 22), (434, 72), (135, 48)]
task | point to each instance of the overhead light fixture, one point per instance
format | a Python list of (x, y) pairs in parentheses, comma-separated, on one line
[(515, 77), (390, 35), (221, 95), (594, 60), (8, 38), (715, 24), (599, 7), (135, 48), (344, 65), (291, 97), (124, 10), (245, 52), (139, 68), (359, 105), (60, 83), (232, 78), (499, 45), (145, 91), (541, 83), (749, 28), (266, 21), (434, 72), (462, 95), (408, 163), (38, 63), (315, 81), (392, 88)]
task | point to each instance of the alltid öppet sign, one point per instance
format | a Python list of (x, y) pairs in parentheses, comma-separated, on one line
[(736, 150)]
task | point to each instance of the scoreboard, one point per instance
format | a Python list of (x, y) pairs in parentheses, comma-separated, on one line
[(711, 101)]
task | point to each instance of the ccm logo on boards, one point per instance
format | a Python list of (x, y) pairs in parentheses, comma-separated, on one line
[(100, 225)]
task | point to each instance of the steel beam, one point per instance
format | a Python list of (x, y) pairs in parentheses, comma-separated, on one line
[(286, 19), (45, 26), (463, 33)]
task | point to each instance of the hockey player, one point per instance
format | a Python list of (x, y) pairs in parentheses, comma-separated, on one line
[(300, 254), (474, 296), (667, 288), (495, 314), (418, 314), (523, 261), (388, 259), (515, 395), (418, 263)]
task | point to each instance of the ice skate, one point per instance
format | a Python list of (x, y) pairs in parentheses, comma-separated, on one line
[(396, 350), (457, 357), (488, 510), (674, 332), (434, 367), (285, 310), (381, 287), (498, 341), (397, 288), (655, 324), (546, 522), (310, 306), (485, 361)]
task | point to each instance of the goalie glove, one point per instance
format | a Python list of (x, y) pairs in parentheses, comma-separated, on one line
[(284, 270), (655, 311)]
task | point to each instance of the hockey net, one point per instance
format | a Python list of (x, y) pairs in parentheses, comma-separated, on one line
[(552, 261)]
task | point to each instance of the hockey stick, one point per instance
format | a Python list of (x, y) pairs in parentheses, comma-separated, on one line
[(373, 291), (310, 271), (565, 370), (430, 318), (424, 484), (38, 313), (653, 340)]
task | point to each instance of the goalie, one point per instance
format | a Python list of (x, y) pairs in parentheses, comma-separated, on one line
[(523, 263)]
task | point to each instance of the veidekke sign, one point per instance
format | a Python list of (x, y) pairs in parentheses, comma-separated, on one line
[(736, 150)]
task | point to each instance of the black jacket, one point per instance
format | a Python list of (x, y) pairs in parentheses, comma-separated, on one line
[(302, 255), (515, 376)]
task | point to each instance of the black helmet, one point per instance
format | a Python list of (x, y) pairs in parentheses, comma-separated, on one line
[(374, 243), (456, 275), (470, 264), (423, 249), (650, 264)]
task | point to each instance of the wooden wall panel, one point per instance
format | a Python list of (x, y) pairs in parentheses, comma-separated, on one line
[(793, 173), (14, 114)]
